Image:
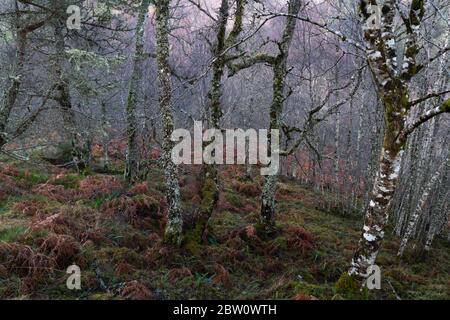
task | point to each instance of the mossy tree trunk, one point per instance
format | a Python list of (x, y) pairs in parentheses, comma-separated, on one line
[(279, 66), (210, 175), (392, 83), (132, 159), (173, 232)]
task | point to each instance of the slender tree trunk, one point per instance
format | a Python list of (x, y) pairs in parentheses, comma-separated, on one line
[(421, 205), (337, 160), (406, 194), (132, 161), (105, 126), (173, 233), (357, 161), (348, 173), (439, 216), (248, 165), (64, 98)]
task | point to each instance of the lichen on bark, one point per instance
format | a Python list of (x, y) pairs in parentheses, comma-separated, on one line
[(173, 232)]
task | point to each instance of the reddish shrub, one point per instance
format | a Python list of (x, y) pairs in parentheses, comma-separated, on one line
[(134, 240), (248, 207), (248, 189), (191, 189), (117, 149), (57, 223), (235, 256), (153, 238), (97, 150), (155, 153), (140, 188), (272, 266), (9, 170), (29, 208), (159, 253), (61, 248), (233, 172), (178, 273), (94, 186), (151, 256), (248, 233), (9, 187), (55, 192), (135, 290), (72, 221), (3, 271), (23, 260), (61, 178), (302, 296), (298, 238), (135, 209), (190, 195), (222, 276), (124, 269)]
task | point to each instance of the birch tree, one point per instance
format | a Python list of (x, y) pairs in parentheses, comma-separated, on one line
[(412, 224), (393, 68)]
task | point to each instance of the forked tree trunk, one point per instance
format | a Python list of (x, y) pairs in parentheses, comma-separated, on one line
[(210, 179), (210, 173), (279, 66), (392, 82)]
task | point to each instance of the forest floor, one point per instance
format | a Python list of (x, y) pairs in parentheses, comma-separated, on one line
[(51, 218)]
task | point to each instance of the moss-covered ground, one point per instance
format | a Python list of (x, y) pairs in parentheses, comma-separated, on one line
[(51, 218)]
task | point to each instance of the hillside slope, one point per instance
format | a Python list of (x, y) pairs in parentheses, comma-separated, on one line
[(51, 218)]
